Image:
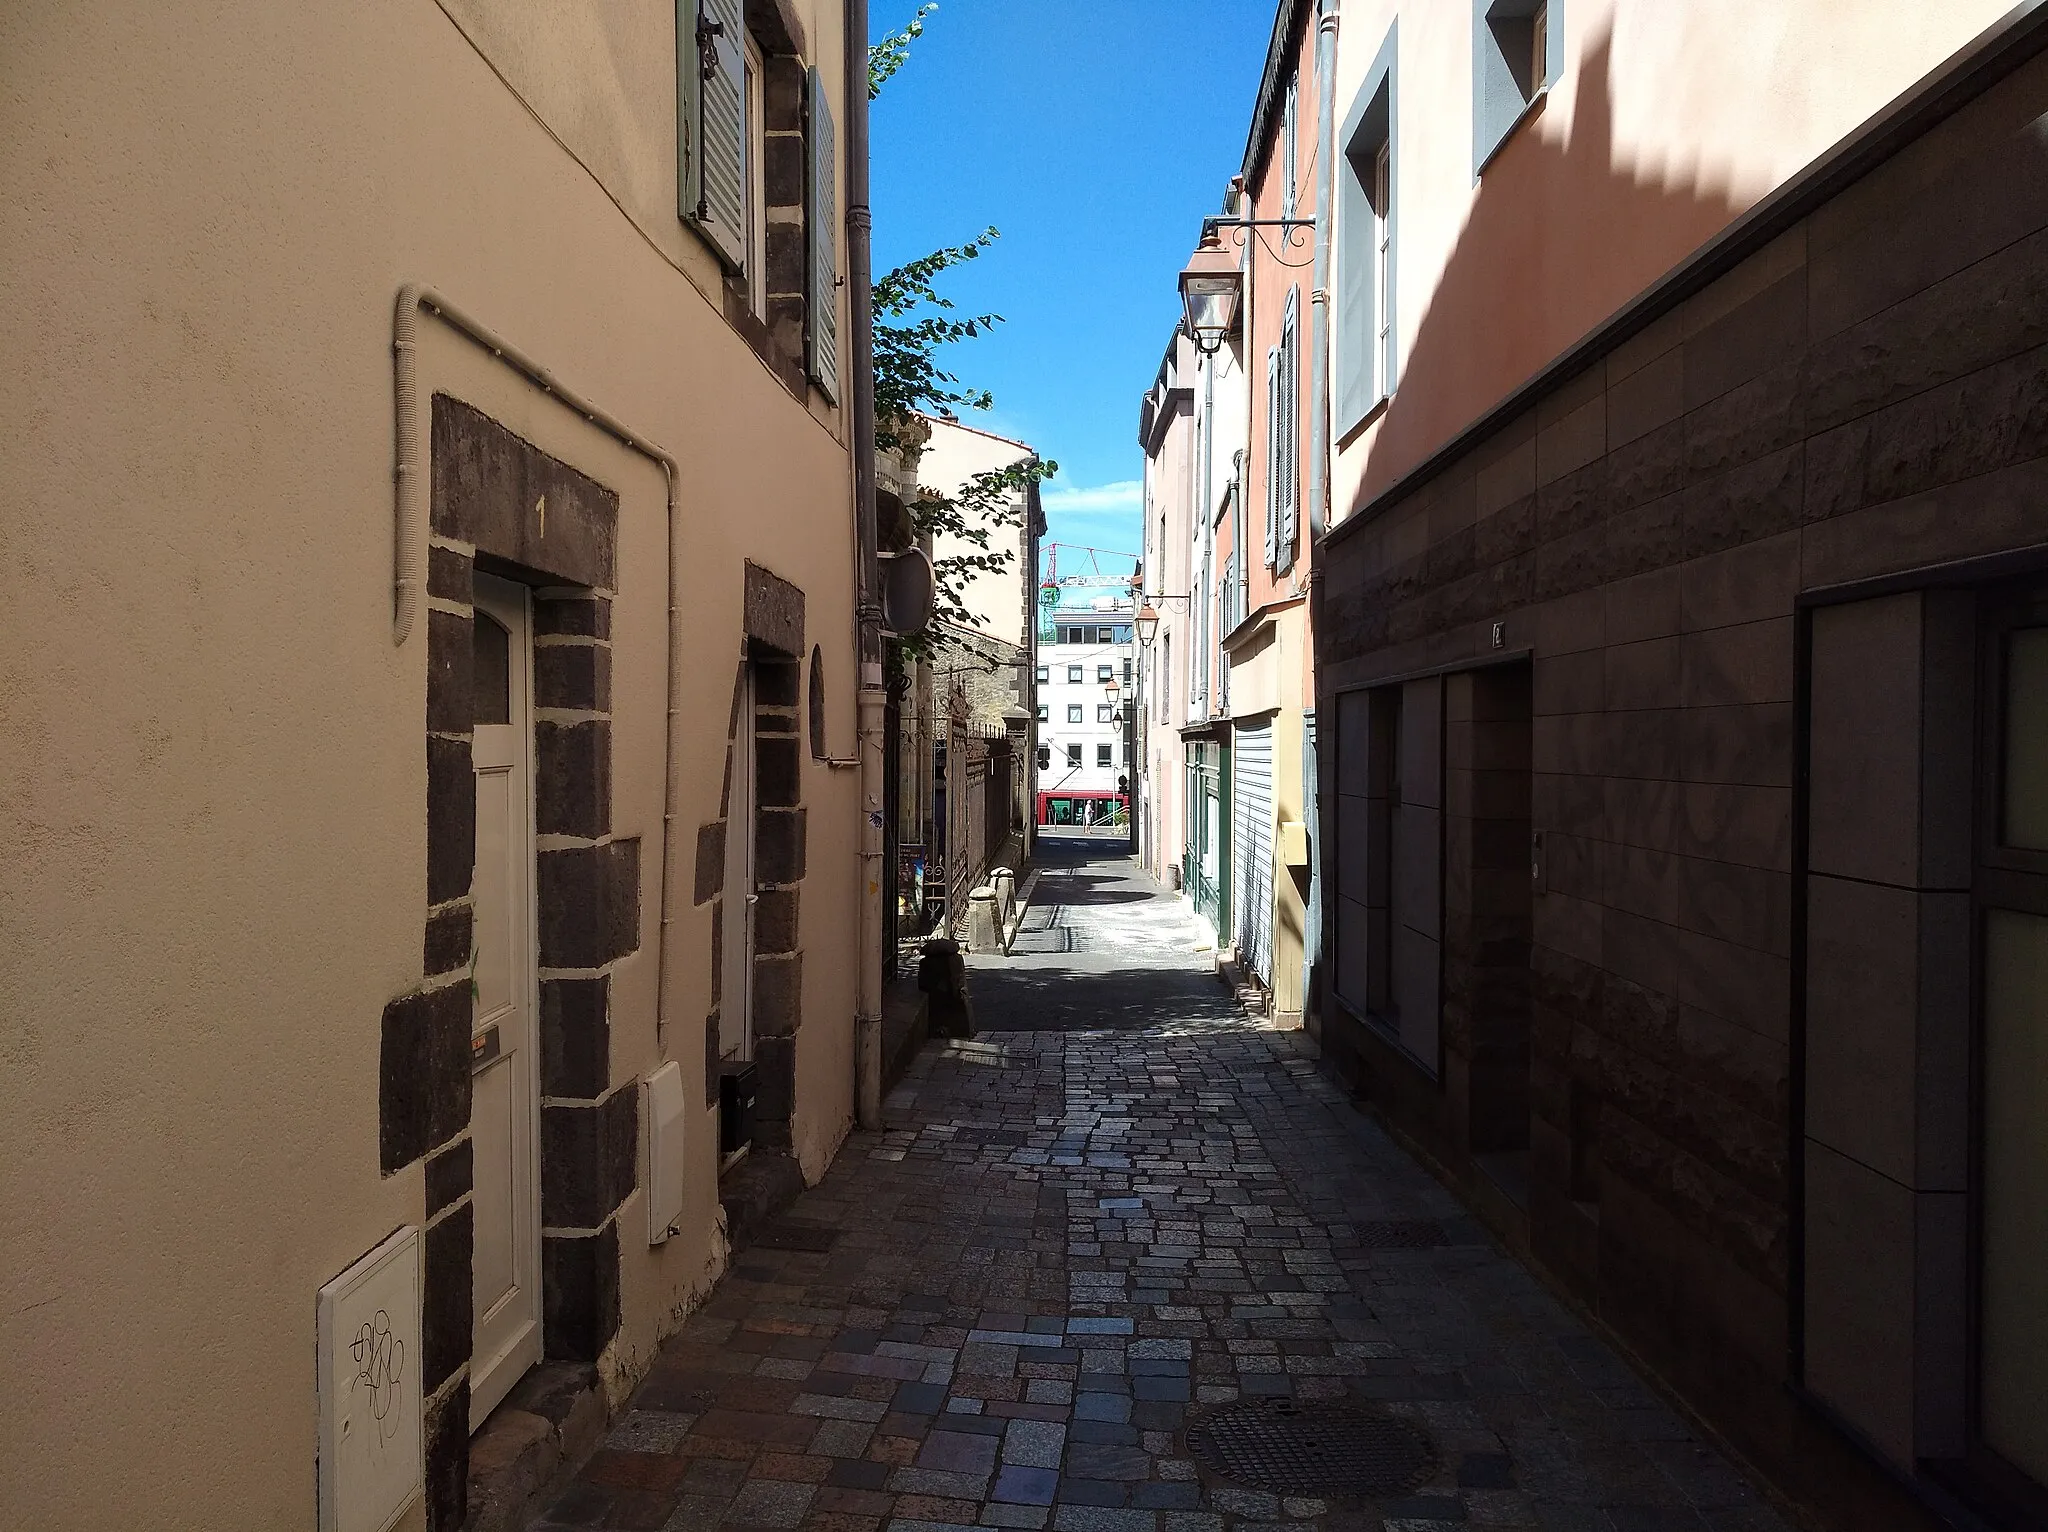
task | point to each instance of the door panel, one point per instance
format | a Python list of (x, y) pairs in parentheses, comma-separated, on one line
[(505, 1108), (736, 983), (2014, 1343)]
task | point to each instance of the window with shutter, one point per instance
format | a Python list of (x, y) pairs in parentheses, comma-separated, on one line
[(711, 123), (1274, 455), (821, 220), (1289, 415)]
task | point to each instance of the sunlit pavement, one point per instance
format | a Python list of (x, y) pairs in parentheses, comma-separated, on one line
[(1078, 1240)]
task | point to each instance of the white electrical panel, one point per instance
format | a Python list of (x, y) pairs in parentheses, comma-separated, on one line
[(664, 1110), (372, 1457)]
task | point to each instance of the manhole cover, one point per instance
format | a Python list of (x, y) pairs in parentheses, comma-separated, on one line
[(1314, 1447), (1401, 1234)]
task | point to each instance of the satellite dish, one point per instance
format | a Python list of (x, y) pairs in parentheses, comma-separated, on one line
[(907, 590)]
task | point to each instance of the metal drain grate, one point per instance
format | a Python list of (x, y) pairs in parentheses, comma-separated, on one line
[(1401, 1234), (1314, 1447)]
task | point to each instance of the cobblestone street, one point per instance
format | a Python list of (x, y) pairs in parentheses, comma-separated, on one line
[(1075, 1244)]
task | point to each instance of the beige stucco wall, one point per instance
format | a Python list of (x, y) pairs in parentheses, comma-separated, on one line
[(997, 600), (212, 760), (1669, 119)]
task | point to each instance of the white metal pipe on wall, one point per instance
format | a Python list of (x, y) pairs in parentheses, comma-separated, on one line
[(410, 517)]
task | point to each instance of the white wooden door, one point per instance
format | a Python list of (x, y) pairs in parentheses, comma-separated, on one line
[(736, 979), (505, 1109)]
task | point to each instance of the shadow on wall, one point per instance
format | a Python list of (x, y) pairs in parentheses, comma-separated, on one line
[(1558, 237)]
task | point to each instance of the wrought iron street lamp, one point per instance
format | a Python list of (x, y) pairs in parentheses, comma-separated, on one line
[(1148, 625), (1209, 290)]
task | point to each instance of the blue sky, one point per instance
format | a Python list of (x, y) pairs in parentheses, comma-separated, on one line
[(1095, 136)]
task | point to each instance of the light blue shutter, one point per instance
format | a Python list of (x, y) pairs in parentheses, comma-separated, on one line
[(1275, 455), (821, 230), (689, 112), (721, 210), (1290, 415)]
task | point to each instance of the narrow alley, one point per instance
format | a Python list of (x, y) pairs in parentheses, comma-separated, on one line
[(1145, 1273)]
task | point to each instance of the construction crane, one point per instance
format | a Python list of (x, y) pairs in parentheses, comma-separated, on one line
[(1052, 563)]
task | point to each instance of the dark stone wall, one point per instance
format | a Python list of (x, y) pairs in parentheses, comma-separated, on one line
[(1866, 396)]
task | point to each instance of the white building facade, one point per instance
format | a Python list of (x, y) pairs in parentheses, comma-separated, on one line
[(1086, 675)]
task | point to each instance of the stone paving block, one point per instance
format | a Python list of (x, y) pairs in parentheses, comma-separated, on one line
[(1104, 1326), (918, 1399), (958, 1452), (936, 1481), (857, 1473), (1025, 1484), (1097, 1492), (1102, 1406), (1031, 1518), (769, 1503), (826, 1407), (649, 1431), (1034, 1443), (1083, 1518)]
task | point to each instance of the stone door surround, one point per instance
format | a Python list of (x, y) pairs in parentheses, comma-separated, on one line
[(772, 645), (500, 504)]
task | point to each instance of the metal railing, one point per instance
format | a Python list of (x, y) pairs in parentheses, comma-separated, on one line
[(983, 813)]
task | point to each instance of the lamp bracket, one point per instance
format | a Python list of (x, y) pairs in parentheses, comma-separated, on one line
[(1294, 234)]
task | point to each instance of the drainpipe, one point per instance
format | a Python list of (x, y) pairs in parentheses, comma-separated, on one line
[(1208, 530), (867, 1016), (410, 534), (1319, 426), (1319, 298)]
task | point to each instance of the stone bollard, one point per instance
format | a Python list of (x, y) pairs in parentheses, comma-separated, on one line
[(984, 930), (942, 975), (1004, 882)]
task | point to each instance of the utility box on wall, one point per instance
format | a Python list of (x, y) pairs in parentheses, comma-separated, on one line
[(371, 1468), (663, 1112)]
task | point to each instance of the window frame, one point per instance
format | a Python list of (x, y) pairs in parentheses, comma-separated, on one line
[(1076, 675), (1366, 368), (754, 106), (1074, 757), (1105, 757), (1506, 91), (1075, 713)]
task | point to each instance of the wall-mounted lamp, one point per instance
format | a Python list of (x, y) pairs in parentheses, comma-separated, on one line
[(1148, 624), (1208, 292)]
